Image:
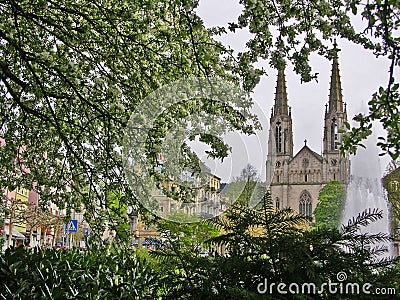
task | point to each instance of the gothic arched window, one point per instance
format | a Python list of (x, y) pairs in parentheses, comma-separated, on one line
[(285, 139), (305, 204), (277, 203), (334, 135), (278, 137)]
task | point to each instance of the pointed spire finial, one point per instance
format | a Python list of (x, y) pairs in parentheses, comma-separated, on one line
[(335, 49), (335, 46)]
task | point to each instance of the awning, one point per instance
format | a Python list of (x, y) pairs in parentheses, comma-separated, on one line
[(17, 235)]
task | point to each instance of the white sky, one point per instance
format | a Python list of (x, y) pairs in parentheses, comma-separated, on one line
[(361, 75)]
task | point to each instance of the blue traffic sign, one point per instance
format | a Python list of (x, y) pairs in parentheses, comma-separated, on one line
[(72, 226)]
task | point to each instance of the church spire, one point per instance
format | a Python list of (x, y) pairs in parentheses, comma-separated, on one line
[(335, 91), (281, 135), (281, 100)]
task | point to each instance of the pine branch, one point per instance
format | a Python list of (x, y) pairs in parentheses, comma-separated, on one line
[(363, 219)]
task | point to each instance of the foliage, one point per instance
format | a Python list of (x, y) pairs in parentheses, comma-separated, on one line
[(2, 233), (187, 239), (276, 245), (331, 205), (117, 213), (245, 189), (392, 166), (384, 107), (252, 230), (35, 218), (99, 273), (263, 243), (68, 89), (179, 256), (72, 73), (391, 183)]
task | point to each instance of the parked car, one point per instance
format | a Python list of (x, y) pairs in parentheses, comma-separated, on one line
[(204, 253)]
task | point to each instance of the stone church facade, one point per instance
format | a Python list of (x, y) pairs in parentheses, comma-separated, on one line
[(296, 179)]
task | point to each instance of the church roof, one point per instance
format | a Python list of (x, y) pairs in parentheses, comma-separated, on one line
[(306, 148)]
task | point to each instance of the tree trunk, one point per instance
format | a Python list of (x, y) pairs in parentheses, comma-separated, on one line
[(39, 236), (10, 227), (9, 240), (54, 237), (31, 237), (45, 237)]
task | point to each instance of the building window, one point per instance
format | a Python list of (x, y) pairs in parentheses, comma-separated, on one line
[(305, 178), (277, 203), (277, 178), (278, 137), (305, 205), (334, 135), (285, 138)]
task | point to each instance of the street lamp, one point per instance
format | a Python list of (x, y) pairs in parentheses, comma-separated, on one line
[(132, 213)]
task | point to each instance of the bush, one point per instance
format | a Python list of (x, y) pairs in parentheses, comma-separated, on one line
[(100, 273), (331, 204)]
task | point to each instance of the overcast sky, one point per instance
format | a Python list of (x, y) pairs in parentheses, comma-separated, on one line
[(361, 75)]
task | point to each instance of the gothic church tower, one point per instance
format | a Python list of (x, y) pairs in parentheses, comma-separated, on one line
[(297, 179), (337, 167), (280, 142)]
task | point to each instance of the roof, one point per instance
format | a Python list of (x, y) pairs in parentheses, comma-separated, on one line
[(305, 148)]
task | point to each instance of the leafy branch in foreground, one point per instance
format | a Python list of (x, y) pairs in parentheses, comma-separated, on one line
[(72, 73)]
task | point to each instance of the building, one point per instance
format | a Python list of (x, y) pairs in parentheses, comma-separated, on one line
[(296, 179), (207, 203), (391, 183), (16, 203), (27, 223)]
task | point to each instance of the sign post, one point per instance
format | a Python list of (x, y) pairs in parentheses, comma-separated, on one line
[(71, 227)]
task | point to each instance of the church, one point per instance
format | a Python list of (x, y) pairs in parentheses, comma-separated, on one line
[(296, 179)]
